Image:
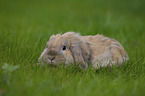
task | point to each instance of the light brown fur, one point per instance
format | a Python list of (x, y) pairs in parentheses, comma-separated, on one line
[(97, 50)]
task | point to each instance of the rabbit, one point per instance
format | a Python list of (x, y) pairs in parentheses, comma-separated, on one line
[(72, 48)]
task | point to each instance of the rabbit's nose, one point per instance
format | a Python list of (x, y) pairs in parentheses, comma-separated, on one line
[(51, 57)]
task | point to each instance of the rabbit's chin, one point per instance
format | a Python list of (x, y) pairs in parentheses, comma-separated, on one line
[(58, 63), (55, 63)]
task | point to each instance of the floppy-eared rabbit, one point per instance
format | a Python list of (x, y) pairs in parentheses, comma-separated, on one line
[(72, 48)]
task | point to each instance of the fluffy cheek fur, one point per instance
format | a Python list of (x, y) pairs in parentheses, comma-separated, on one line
[(68, 58)]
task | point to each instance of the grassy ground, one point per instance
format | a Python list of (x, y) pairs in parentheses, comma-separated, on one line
[(25, 27)]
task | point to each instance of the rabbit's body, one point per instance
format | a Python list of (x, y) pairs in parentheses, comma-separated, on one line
[(70, 47), (105, 51)]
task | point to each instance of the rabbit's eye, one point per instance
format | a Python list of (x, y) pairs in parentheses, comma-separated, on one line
[(63, 47)]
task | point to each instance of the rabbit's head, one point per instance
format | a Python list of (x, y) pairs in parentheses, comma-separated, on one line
[(68, 48)]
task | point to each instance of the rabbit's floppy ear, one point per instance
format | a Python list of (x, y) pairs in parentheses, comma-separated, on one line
[(81, 54), (79, 49)]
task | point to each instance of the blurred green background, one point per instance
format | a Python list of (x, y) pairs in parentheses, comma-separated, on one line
[(26, 25)]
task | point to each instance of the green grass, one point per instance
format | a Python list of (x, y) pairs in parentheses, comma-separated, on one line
[(25, 27)]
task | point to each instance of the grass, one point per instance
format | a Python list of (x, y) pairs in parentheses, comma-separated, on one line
[(25, 27)]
